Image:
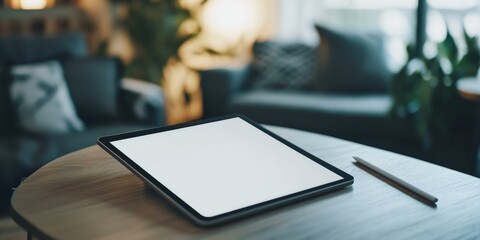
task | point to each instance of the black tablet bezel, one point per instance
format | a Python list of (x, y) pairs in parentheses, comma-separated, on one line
[(105, 143)]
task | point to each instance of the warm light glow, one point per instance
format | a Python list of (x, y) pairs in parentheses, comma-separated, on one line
[(229, 28), (231, 19), (31, 4), (179, 82)]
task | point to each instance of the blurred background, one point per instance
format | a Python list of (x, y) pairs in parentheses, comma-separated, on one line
[(228, 29), (400, 75)]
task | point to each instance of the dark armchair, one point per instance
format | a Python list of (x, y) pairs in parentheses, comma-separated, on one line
[(106, 103)]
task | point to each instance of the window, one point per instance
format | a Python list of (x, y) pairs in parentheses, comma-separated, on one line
[(396, 19)]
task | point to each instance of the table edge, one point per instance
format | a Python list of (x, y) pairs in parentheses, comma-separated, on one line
[(22, 221), (35, 231), (25, 224)]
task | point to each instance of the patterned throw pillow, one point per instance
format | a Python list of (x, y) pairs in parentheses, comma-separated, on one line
[(41, 99), (283, 65)]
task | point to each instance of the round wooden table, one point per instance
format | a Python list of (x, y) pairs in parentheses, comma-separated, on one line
[(89, 195)]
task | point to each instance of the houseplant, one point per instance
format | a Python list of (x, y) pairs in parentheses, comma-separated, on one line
[(154, 28), (425, 95)]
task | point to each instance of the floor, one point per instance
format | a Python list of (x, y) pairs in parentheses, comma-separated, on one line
[(9, 230)]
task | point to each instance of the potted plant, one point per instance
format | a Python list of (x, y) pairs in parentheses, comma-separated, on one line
[(154, 28), (425, 94)]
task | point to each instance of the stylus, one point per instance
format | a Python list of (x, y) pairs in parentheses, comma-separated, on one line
[(408, 186)]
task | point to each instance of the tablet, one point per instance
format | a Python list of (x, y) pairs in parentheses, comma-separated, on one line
[(221, 169)]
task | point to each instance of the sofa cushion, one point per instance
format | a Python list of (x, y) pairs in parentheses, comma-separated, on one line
[(94, 84), (351, 62), (41, 99), (333, 114), (283, 65), (31, 49)]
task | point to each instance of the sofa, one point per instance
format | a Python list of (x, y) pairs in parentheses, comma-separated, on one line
[(104, 101), (361, 118), (347, 95)]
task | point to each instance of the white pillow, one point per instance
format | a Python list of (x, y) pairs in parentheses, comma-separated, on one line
[(41, 99)]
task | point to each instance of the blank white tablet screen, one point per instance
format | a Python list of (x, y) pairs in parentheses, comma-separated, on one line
[(223, 166)]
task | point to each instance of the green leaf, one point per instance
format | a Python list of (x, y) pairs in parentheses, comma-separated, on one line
[(469, 64), (429, 100), (470, 42), (448, 48), (153, 27), (410, 51)]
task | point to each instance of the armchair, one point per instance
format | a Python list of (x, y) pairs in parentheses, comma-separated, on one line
[(103, 101)]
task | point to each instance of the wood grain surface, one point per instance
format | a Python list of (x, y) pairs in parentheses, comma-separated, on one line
[(89, 195)]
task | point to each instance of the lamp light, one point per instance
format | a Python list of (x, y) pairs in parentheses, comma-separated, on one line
[(31, 4), (231, 19)]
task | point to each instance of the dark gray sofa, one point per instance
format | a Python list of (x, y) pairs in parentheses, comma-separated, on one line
[(104, 102), (362, 118)]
